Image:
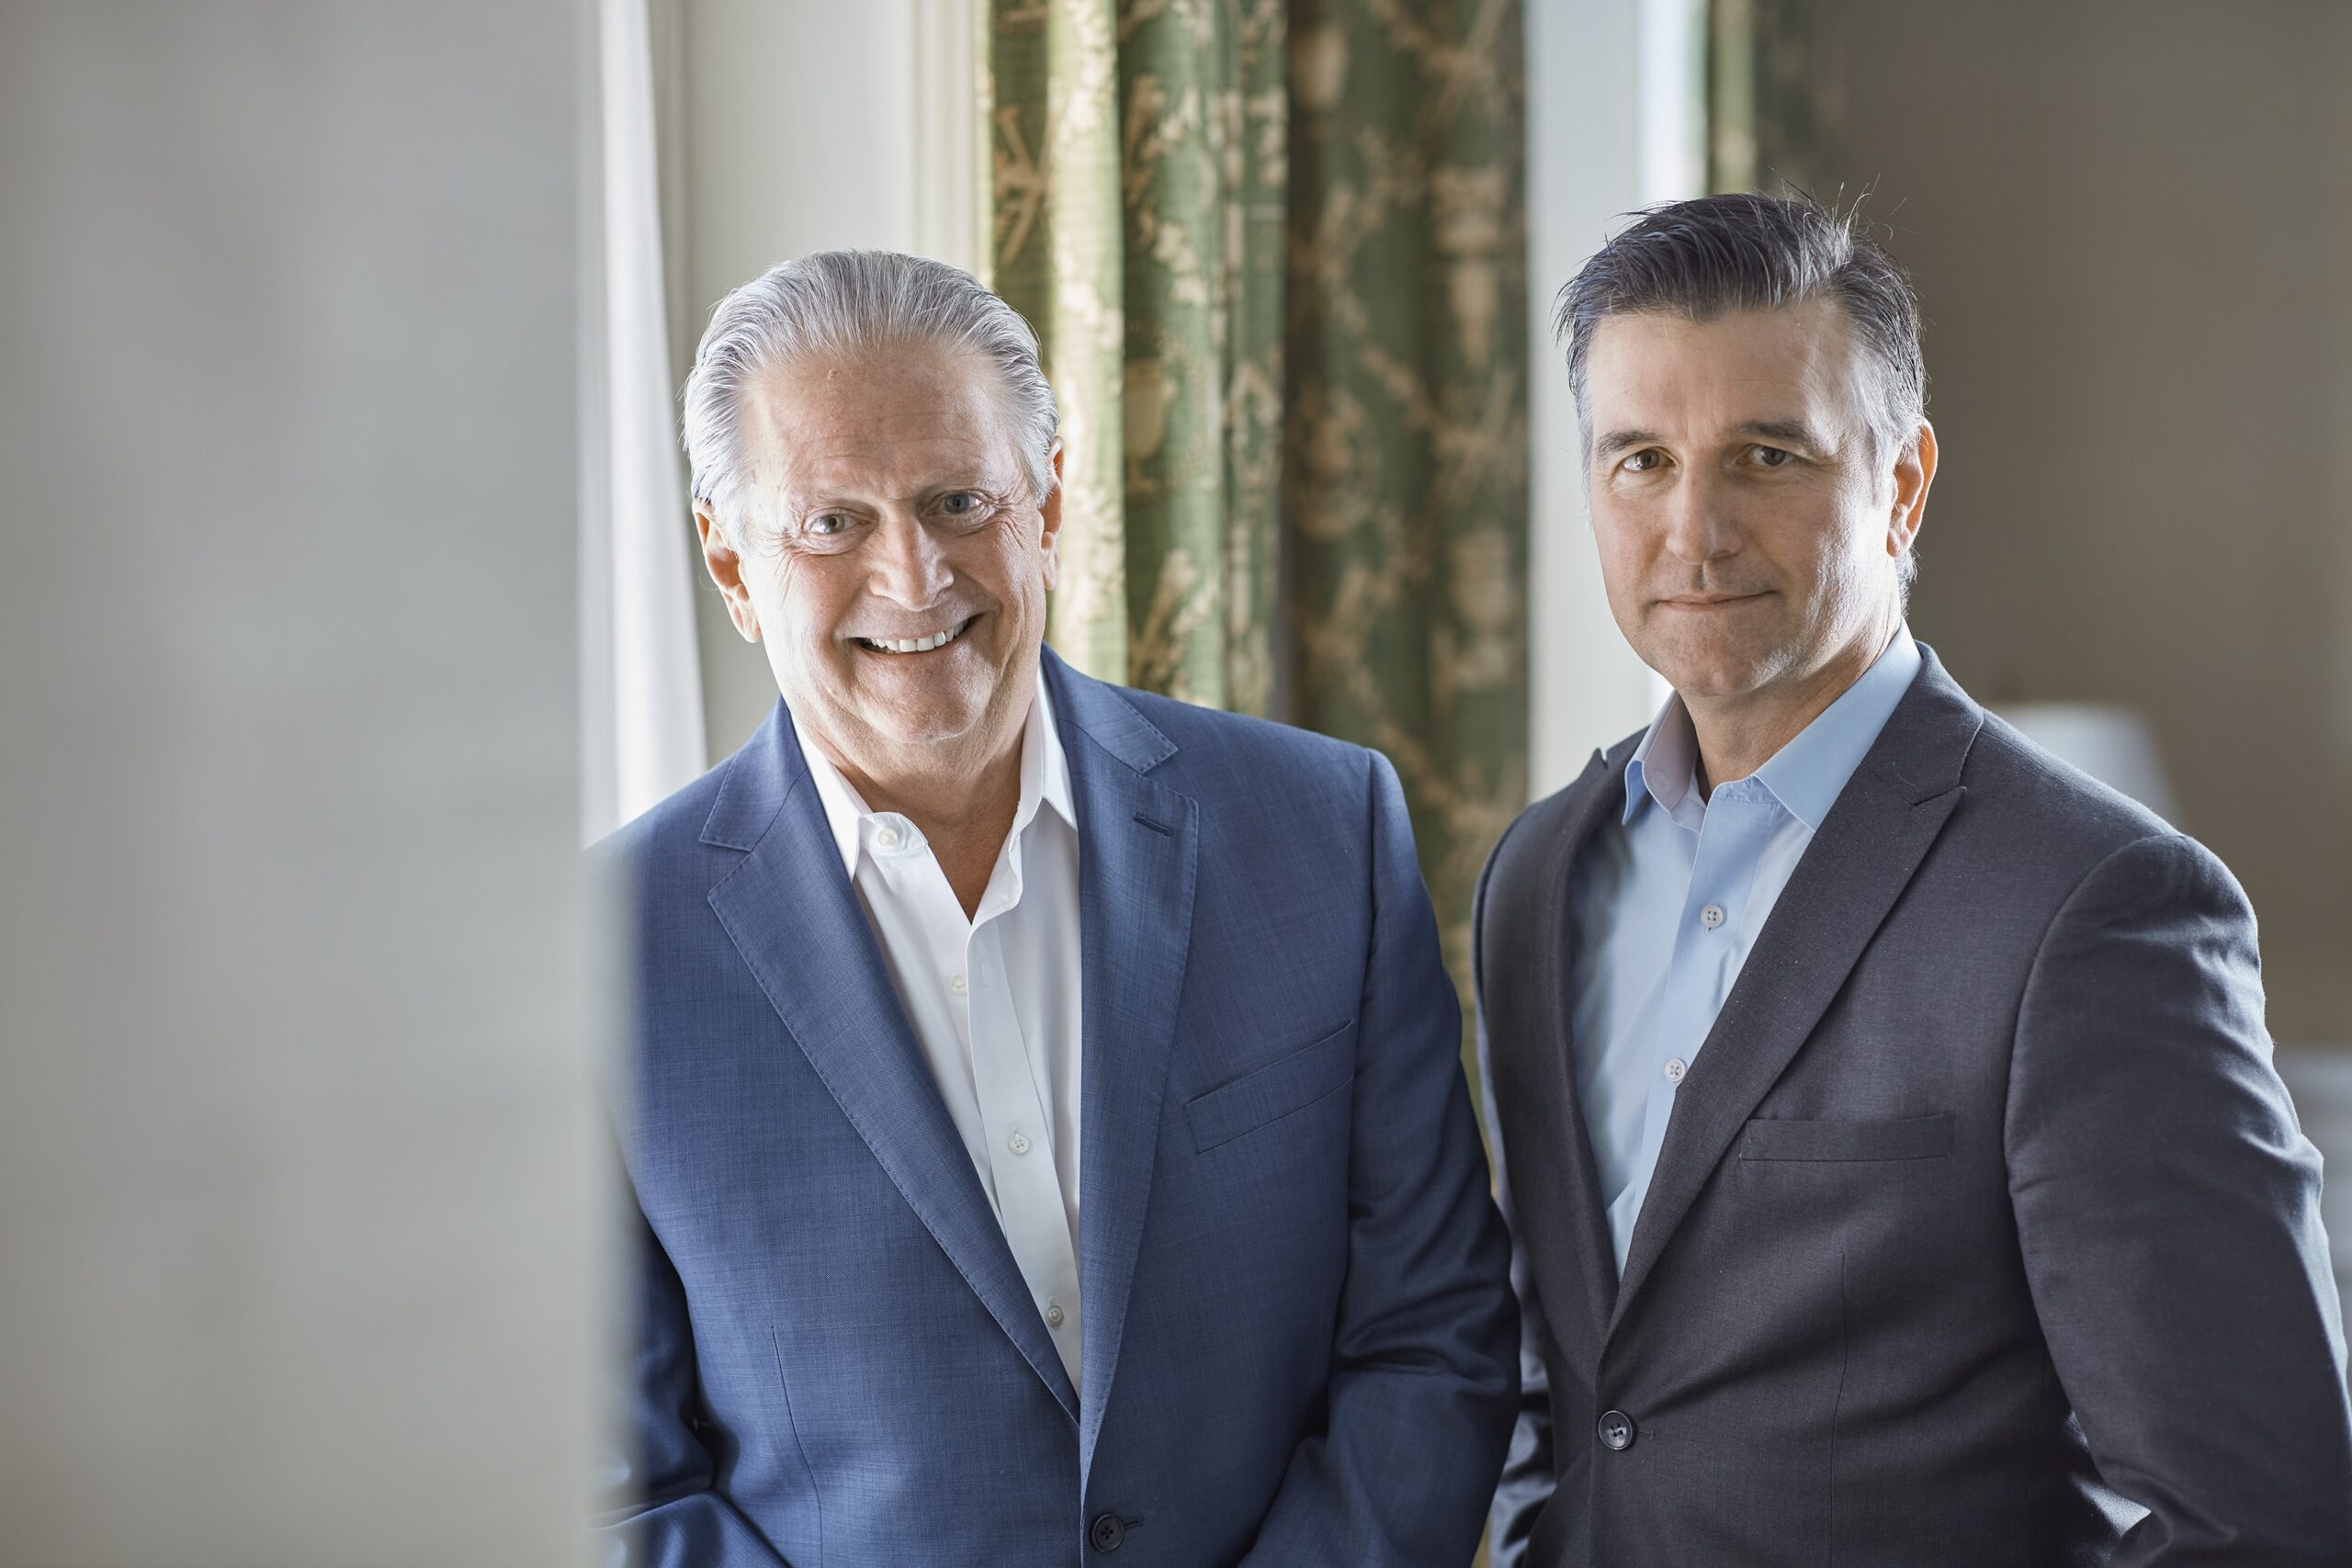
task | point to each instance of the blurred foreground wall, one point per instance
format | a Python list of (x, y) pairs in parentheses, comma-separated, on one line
[(296, 1012)]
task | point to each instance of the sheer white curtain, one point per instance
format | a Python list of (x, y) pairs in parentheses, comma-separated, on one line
[(641, 687)]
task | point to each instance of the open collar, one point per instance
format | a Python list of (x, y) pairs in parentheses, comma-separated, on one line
[(1044, 782)]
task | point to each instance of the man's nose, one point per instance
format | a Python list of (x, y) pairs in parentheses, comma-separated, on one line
[(910, 567), (1699, 524)]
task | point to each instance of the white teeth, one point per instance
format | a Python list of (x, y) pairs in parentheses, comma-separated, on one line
[(913, 644)]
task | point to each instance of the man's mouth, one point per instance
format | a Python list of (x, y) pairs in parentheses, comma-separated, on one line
[(914, 644), (1711, 600)]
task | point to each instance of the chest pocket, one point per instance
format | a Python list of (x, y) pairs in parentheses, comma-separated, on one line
[(1884, 1138), (1274, 1091)]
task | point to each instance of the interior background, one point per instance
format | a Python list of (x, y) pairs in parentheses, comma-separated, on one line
[(302, 1005)]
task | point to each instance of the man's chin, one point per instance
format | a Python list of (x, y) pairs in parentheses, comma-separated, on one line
[(932, 720), (898, 717), (1716, 676)]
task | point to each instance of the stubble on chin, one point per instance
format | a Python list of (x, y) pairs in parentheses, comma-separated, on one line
[(1698, 665)]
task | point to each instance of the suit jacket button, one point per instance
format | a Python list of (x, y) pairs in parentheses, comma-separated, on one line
[(1107, 1532), (1616, 1431)]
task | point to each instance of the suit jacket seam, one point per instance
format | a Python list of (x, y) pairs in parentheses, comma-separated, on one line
[(815, 1488)]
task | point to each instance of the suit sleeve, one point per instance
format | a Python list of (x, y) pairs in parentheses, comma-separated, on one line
[(1528, 1473), (657, 1482), (1423, 1377), (2167, 1207)]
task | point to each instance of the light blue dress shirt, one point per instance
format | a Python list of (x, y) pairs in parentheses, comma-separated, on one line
[(1668, 904)]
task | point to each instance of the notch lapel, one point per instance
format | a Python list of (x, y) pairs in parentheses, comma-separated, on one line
[(1138, 862), (1552, 1116), (1859, 863), (792, 913)]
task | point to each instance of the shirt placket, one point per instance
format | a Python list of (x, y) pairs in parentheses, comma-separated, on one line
[(1709, 934), (1019, 1139)]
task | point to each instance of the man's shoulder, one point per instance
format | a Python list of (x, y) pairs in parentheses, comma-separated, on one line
[(1214, 746), (2023, 792), (2042, 823)]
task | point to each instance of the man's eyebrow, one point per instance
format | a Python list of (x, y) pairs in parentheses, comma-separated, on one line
[(1618, 441), (1792, 431)]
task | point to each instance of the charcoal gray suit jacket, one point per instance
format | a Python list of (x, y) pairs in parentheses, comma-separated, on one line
[(1983, 1232)]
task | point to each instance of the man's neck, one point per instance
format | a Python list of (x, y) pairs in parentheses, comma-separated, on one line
[(965, 811), (1736, 735)]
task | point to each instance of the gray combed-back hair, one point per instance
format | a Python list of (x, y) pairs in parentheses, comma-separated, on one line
[(845, 303), (1699, 259)]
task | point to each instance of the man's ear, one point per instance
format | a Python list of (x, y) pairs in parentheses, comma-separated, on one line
[(1914, 471), (1050, 510), (726, 568)]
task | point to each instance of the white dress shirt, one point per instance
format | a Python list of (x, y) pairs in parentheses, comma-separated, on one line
[(1667, 907), (993, 1000)]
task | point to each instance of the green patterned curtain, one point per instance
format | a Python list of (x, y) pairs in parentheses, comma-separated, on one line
[(1136, 177), (1776, 114), (1275, 252), (1405, 479)]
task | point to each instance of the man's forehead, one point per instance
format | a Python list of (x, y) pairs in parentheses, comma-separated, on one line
[(876, 417), (1804, 351)]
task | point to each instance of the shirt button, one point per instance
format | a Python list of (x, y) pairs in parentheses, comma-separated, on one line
[(1018, 1143), (887, 837), (956, 984), (1675, 1067), (1054, 1315), (1712, 916)]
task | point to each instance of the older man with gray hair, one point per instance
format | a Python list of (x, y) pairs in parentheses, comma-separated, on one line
[(1045, 1117), (1884, 1109)]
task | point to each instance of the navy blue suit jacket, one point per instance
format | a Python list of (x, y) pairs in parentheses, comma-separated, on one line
[(1300, 1342)]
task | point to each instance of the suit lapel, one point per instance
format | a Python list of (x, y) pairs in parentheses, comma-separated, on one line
[(1137, 861), (1850, 875), (1587, 807), (792, 913)]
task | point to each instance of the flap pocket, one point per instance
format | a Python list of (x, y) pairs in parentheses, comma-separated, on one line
[(1904, 1137), (1294, 1082)]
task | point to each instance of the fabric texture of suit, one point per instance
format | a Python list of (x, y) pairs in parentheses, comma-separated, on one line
[(1983, 1232), (1300, 1342)]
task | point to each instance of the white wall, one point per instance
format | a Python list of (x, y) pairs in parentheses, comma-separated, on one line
[(1610, 129), (813, 125), (296, 1004)]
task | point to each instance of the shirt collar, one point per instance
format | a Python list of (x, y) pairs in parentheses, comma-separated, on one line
[(1805, 775), (1045, 781), (1662, 765)]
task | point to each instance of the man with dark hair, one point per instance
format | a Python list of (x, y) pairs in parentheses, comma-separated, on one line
[(1883, 1109)]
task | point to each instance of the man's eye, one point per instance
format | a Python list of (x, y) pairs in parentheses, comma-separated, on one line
[(962, 503), (826, 524), (1645, 460), (1774, 458)]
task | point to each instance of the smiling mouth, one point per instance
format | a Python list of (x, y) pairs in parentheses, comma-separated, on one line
[(914, 644)]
